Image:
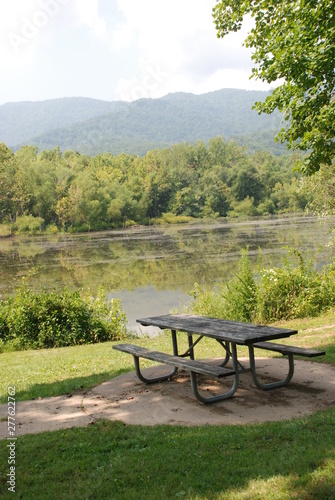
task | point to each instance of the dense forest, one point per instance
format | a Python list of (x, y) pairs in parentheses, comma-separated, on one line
[(94, 127), (53, 191)]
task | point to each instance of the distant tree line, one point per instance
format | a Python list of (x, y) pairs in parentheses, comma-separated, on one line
[(69, 191)]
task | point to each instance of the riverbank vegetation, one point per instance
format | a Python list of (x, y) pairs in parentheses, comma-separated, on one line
[(54, 191), (30, 320), (294, 290)]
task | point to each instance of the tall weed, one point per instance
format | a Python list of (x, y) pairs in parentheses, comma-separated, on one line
[(240, 295), (294, 290)]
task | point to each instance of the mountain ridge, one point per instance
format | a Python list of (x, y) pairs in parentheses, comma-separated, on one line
[(93, 126)]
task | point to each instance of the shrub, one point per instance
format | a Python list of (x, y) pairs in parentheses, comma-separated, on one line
[(51, 229), (244, 208), (130, 223), (28, 224), (42, 320), (207, 302), (169, 218), (5, 230), (294, 290), (234, 300), (240, 297)]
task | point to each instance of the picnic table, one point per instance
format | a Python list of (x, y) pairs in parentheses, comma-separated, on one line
[(229, 335)]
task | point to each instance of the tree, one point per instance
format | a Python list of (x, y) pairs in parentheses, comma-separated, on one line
[(7, 170), (320, 190), (246, 182), (292, 40)]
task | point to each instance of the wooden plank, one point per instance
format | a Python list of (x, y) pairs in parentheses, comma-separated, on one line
[(288, 349), (169, 359), (231, 331)]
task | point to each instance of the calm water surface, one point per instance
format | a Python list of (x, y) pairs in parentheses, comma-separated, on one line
[(152, 269)]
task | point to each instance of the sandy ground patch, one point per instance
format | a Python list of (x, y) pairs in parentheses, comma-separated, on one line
[(126, 398)]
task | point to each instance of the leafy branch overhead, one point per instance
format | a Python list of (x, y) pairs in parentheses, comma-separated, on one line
[(293, 41)]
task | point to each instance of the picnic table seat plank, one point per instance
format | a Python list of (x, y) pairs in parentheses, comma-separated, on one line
[(289, 349), (188, 364), (192, 365)]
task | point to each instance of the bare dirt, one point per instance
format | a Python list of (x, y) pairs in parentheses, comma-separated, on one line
[(127, 399)]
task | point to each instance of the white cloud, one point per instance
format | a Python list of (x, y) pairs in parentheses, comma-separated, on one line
[(12, 21), (24, 26), (180, 38), (147, 48), (87, 13)]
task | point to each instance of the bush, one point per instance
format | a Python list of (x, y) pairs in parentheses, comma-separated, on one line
[(51, 229), (5, 230), (28, 224), (295, 290), (42, 320), (169, 218), (234, 300), (244, 208)]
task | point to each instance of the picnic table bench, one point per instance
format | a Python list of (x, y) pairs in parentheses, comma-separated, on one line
[(228, 334)]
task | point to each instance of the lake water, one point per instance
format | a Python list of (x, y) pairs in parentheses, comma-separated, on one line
[(152, 269)]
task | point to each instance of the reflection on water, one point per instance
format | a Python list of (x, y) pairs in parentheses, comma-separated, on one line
[(153, 268), (149, 301)]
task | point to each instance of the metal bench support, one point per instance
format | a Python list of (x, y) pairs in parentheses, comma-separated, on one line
[(220, 397), (272, 385), (153, 380)]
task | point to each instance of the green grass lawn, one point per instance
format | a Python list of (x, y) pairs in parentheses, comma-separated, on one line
[(109, 460)]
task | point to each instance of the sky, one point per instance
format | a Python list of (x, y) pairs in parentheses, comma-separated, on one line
[(116, 50)]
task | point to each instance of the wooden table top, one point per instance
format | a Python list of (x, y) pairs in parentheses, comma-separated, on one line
[(221, 329)]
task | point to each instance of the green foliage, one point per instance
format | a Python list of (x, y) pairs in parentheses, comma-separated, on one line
[(243, 208), (73, 192), (295, 290), (240, 298), (48, 319), (207, 302), (319, 190), (51, 229), (293, 41), (27, 224), (235, 300), (170, 218), (5, 230)]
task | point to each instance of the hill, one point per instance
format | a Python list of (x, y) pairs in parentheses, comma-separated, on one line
[(91, 126), (20, 121)]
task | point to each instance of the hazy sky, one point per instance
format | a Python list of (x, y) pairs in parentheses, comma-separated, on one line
[(116, 50)]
